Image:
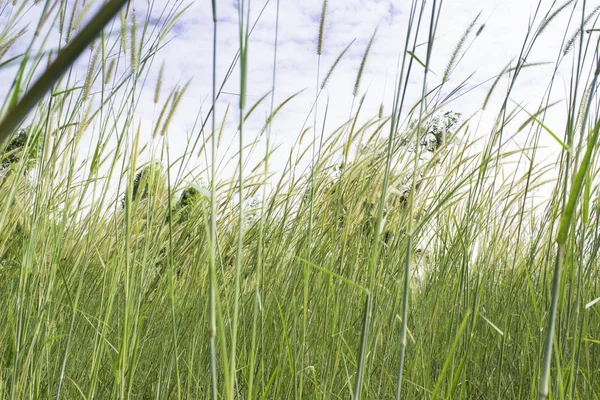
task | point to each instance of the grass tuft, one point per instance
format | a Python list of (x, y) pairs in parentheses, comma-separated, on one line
[(363, 63)]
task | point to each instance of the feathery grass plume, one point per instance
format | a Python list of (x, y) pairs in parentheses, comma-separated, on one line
[(335, 63), (303, 134), (175, 103), (276, 111), (159, 83), (322, 28), (71, 28), (531, 119), (91, 72), (134, 51), (4, 47), (85, 8), (494, 84), (222, 127), (380, 114), (85, 120), (162, 113), (256, 104), (529, 65), (547, 21), (61, 18), (504, 71), (123, 30), (110, 71), (363, 62), (580, 120), (458, 48), (569, 44), (171, 22), (203, 145)]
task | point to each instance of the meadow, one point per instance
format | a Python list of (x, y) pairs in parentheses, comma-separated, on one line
[(418, 256)]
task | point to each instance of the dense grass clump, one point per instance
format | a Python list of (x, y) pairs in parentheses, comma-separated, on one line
[(418, 256)]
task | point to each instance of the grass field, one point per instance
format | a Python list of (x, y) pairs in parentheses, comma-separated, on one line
[(411, 260)]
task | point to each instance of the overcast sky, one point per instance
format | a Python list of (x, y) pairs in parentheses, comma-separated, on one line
[(506, 24), (188, 56)]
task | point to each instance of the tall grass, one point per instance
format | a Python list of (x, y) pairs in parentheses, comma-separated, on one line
[(425, 264)]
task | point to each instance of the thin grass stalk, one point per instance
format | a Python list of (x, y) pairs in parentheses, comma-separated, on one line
[(584, 315), (171, 267), (244, 20), (547, 354), (577, 334), (306, 271), (213, 218), (499, 383), (411, 199), (261, 235), (124, 346), (316, 108), (398, 101)]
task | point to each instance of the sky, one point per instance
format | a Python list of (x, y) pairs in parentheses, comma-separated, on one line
[(188, 56), (501, 39)]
